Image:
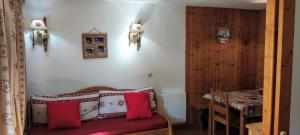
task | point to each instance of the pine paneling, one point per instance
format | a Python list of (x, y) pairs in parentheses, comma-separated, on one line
[(234, 66)]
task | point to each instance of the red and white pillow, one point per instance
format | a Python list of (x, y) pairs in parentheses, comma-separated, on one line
[(88, 105), (112, 103)]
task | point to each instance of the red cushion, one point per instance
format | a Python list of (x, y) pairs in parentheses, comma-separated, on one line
[(138, 105), (63, 115), (112, 126)]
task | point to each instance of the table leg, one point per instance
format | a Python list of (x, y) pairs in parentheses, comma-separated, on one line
[(200, 119), (242, 122), (209, 119)]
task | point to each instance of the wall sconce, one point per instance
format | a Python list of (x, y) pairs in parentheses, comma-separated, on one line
[(135, 32), (39, 32)]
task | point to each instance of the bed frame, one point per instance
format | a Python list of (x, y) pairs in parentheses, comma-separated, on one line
[(162, 131)]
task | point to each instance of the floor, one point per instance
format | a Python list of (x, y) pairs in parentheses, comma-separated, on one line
[(195, 130), (189, 131)]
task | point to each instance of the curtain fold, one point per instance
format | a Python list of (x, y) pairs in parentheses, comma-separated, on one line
[(12, 69)]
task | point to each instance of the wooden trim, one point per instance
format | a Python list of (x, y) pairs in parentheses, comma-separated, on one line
[(278, 65), (163, 131), (187, 52), (93, 89), (286, 20), (180, 126), (170, 128), (242, 122), (209, 118), (269, 66)]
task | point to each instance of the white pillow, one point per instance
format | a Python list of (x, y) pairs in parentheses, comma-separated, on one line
[(112, 103)]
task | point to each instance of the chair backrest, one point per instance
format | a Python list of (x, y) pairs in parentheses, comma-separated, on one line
[(219, 104)]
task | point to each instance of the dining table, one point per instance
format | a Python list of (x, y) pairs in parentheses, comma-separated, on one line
[(249, 103)]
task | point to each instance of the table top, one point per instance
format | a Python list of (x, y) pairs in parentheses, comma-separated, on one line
[(250, 101), (255, 127)]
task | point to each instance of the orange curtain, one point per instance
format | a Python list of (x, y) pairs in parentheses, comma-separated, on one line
[(12, 69)]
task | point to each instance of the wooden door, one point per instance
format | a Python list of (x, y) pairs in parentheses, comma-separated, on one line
[(278, 65)]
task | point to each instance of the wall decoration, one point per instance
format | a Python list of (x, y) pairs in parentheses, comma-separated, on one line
[(223, 35), (94, 45), (39, 34), (135, 32)]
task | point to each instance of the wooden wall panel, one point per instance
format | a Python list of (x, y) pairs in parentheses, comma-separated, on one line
[(234, 66), (261, 23)]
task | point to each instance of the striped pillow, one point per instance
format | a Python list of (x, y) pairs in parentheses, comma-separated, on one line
[(88, 105)]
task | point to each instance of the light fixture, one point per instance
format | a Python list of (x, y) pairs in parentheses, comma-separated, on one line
[(135, 32), (39, 34)]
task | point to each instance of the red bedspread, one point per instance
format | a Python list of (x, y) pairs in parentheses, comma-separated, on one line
[(112, 126)]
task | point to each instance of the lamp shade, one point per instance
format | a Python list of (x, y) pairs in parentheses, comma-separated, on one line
[(136, 28), (38, 25)]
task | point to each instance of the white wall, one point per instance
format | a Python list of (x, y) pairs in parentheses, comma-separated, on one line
[(295, 103), (62, 69)]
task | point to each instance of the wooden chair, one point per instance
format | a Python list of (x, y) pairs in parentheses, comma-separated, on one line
[(220, 112)]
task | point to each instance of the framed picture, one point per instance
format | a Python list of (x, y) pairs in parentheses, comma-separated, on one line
[(94, 45)]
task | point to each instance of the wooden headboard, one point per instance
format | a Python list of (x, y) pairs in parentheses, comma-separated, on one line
[(98, 88), (92, 89)]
